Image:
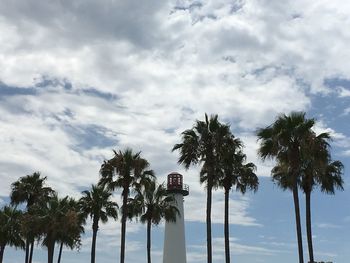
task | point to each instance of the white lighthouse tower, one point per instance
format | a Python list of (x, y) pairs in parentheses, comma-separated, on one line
[(174, 239)]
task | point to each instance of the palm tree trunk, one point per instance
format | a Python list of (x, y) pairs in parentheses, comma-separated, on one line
[(60, 253), (297, 221), (226, 227), (27, 250), (149, 224), (31, 251), (308, 225), (50, 251), (123, 226), (2, 249), (208, 219), (94, 236)]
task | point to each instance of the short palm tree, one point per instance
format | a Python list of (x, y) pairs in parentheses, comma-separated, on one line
[(242, 177), (72, 226), (202, 145), (152, 204), (125, 170), (286, 140), (29, 189), (10, 222), (97, 204), (58, 222)]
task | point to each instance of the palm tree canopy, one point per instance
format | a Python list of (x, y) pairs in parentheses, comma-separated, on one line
[(333, 178), (317, 168), (97, 204), (285, 137), (234, 172), (10, 226), (29, 189), (125, 169), (151, 203), (204, 143), (59, 220)]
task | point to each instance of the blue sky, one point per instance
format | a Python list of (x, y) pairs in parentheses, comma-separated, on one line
[(80, 78)]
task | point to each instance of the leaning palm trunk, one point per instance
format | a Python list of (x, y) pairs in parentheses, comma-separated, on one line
[(226, 226), (209, 197), (60, 253), (149, 224), (308, 226), (123, 227), (297, 221)]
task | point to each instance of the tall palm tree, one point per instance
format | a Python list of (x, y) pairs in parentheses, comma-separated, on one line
[(10, 221), (29, 189), (202, 145), (318, 170), (242, 177), (97, 204), (125, 170), (286, 140), (152, 204)]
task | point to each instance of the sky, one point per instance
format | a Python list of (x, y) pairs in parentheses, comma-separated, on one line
[(81, 78)]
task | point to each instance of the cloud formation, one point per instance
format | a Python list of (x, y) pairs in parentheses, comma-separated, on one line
[(78, 79)]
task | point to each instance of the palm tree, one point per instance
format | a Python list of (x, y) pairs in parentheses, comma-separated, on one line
[(96, 203), (10, 221), (125, 170), (29, 189), (152, 204), (72, 226), (285, 140), (318, 169), (202, 145), (242, 177), (58, 221)]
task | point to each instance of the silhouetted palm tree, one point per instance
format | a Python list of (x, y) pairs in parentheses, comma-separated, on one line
[(152, 204), (10, 222), (72, 226), (318, 170), (239, 175), (285, 140), (202, 145), (58, 221), (125, 170), (29, 189), (97, 204)]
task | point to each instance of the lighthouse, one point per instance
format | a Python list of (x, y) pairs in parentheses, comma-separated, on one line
[(174, 250)]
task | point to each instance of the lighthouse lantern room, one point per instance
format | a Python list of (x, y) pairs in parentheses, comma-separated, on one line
[(175, 184)]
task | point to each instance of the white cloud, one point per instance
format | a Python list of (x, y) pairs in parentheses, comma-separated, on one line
[(343, 92), (141, 73), (195, 208)]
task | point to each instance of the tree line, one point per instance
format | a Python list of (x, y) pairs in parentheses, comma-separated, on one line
[(302, 162)]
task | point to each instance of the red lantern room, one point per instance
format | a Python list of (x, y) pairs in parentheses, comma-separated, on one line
[(175, 184)]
